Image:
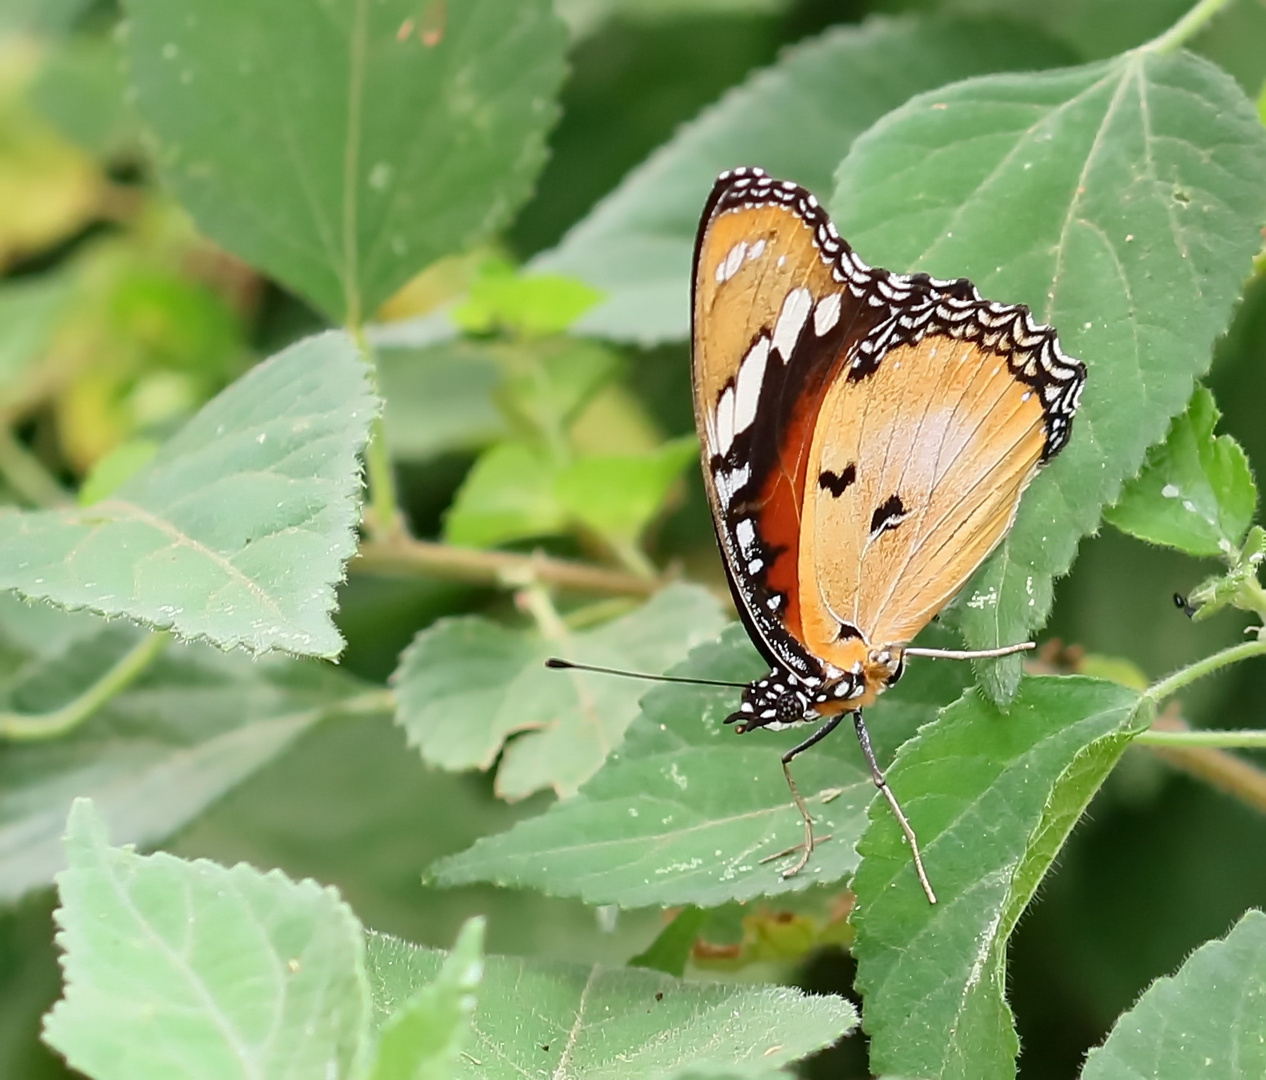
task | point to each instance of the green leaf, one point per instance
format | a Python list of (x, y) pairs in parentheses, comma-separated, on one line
[(507, 495), (1101, 196), (178, 969), (685, 810), (116, 468), (670, 951), (636, 245), (530, 305), (1196, 491), (30, 309), (1208, 1020), (569, 1021), (992, 796), (466, 685), (439, 399), (585, 16), (617, 495), (345, 151), (155, 756), (422, 1040), (81, 90), (51, 17), (238, 530)]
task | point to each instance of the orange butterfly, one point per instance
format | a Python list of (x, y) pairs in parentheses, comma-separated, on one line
[(866, 438)]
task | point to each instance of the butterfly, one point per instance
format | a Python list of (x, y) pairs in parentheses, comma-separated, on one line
[(865, 440)]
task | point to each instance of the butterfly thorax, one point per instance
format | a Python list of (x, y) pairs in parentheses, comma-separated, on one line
[(783, 698)]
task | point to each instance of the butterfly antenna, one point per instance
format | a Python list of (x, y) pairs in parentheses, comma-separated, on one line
[(971, 654), (555, 662)]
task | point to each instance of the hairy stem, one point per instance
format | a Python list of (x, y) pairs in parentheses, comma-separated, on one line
[(1187, 27), (1171, 684), (1191, 751), (21, 727)]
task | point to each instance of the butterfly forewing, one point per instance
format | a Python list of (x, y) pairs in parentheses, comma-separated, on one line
[(771, 320)]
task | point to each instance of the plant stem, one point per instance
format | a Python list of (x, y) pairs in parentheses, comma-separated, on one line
[(1243, 739), (384, 519), (403, 554), (1173, 683), (1186, 28), (19, 727), (1170, 741), (26, 474)]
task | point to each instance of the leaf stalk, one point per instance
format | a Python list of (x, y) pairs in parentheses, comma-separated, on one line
[(1186, 28), (34, 727)]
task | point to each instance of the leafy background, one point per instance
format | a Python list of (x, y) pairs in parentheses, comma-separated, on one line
[(499, 196)]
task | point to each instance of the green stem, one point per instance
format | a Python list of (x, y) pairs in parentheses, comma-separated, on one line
[(1171, 684), (384, 503), (1187, 27), (26, 474), (1252, 739), (19, 727), (370, 703)]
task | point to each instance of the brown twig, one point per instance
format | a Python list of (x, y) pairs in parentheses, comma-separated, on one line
[(404, 555)]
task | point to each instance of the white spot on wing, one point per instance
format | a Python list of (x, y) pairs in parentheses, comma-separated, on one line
[(791, 320), (730, 265), (725, 422), (745, 531), (826, 314), (747, 389)]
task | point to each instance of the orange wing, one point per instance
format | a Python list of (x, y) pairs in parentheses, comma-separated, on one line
[(937, 446)]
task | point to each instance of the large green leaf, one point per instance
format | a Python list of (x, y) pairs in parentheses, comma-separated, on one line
[(1123, 203), (343, 146), (685, 810), (423, 1038), (238, 530), (992, 797), (155, 756), (796, 119), (538, 1018), (1207, 1021), (188, 969), (467, 685), (1196, 491), (29, 313)]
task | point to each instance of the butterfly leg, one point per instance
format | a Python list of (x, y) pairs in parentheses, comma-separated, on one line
[(821, 733), (876, 773)]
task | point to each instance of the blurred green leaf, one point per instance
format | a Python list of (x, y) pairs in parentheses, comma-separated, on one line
[(29, 313), (507, 495), (343, 153), (155, 756), (617, 495), (1100, 196), (547, 383), (1196, 490), (439, 398), (670, 951), (49, 17), (1208, 1020), (247, 975), (685, 810), (529, 305), (636, 245), (423, 1038), (992, 797), (466, 685), (239, 528), (116, 468), (81, 90), (584, 16), (572, 1020)]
